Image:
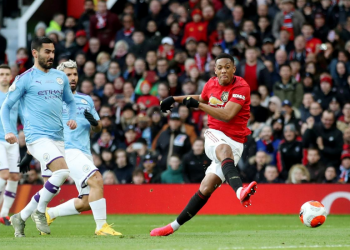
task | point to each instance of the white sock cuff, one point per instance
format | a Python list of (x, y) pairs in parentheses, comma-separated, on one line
[(59, 177), (238, 193), (99, 209), (12, 186)]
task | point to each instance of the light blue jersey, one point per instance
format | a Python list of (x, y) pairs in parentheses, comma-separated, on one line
[(14, 116), (79, 138), (41, 97)]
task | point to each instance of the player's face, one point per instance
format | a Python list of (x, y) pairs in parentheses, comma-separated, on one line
[(224, 70), (45, 55), (5, 77), (72, 75)]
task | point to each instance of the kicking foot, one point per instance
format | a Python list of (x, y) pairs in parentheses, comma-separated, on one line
[(162, 231), (48, 218), (246, 192), (107, 230), (18, 224), (40, 222), (5, 221)]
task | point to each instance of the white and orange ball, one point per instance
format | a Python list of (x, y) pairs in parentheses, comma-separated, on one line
[(312, 214)]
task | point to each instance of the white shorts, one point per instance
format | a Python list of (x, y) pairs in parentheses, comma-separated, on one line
[(81, 168), (46, 151), (214, 138), (9, 156)]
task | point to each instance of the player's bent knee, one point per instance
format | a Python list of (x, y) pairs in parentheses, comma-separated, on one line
[(63, 173), (4, 174), (14, 177), (223, 151), (96, 180)]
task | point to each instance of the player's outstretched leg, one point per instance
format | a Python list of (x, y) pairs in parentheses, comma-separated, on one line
[(224, 153), (198, 200), (72, 207), (9, 198)]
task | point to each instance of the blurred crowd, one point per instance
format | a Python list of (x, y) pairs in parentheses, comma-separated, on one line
[(293, 54)]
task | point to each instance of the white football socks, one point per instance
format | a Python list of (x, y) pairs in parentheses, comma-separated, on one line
[(9, 197), (65, 209), (175, 225), (51, 187), (99, 212), (238, 193), (31, 206), (2, 188)]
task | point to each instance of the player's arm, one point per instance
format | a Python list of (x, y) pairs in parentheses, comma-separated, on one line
[(179, 99), (68, 98), (226, 114), (165, 105), (15, 93)]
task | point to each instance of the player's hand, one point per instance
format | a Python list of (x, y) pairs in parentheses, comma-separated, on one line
[(10, 138), (24, 165), (90, 118), (310, 122), (165, 105), (319, 142), (72, 124), (190, 102)]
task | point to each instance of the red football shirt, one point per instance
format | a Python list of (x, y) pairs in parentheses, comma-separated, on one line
[(217, 96), (251, 77)]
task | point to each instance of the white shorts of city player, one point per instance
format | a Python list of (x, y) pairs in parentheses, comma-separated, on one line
[(46, 151), (9, 156), (81, 167), (214, 138)]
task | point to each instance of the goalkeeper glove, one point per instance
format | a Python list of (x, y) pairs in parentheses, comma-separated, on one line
[(190, 102), (24, 165), (165, 105), (90, 118)]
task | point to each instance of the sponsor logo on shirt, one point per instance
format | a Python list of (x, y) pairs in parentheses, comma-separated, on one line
[(238, 96), (51, 94), (215, 101)]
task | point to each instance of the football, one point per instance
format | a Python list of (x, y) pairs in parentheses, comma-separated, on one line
[(312, 214)]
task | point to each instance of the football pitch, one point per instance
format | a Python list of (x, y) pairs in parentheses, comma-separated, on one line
[(202, 232)]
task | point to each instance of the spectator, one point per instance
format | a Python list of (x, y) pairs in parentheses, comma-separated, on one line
[(94, 49), (126, 32), (330, 175), (315, 166), (305, 106), (107, 161), (271, 175), (195, 163), (88, 71), (138, 177), (267, 52), (108, 92), (344, 176), (321, 29), (109, 178), (288, 88), (100, 82), (325, 94), (172, 141), (174, 173), (123, 170), (22, 60), (152, 34), (103, 60), (129, 69), (104, 26), (155, 15), (166, 49), (137, 151), (267, 143), (33, 178), (326, 137), (84, 20), (163, 91), (290, 151), (87, 87), (229, 40), (151, 172), (299, 52), (253, 70), (162, 69), (237, 18), (157, 121), (283, 43), (280, 60), (140, 45), (119, 53), (113, 71), (346, 138), (196, 29), (288, 19), (56, 23), (260, 113), (104, 142), (289, 115), (312, 43), (315, 112), (203, 57), (298, 174), (256, 168), (273, 74)]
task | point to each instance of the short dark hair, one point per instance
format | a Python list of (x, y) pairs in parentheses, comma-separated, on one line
[(202, 42), (225, 55), (254, 92), (308, 24), (5, 66), (285, 65), (38, 42)]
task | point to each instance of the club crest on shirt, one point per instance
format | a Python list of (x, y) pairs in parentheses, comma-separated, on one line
[(83, 101), (224, 96), (12, 87), (86, 168), (46, 157), (59, 80)]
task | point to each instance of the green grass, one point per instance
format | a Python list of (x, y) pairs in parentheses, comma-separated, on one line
[(202, 232)]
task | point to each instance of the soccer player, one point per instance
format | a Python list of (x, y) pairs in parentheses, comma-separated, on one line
[(41, 92), (86, 176), (226, 100), (9, 153)]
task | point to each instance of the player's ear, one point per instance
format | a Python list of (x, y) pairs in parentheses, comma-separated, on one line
[(34, 53), (234, 69)]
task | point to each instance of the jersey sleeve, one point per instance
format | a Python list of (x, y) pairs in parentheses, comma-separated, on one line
[(16, 91), (92, 109), (68, 98), (204, 94), (239, 95)]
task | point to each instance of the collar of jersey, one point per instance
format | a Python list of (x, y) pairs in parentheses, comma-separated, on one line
[(39, 71)]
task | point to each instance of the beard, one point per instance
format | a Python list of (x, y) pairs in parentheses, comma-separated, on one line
[(73, 88), (43, 63)]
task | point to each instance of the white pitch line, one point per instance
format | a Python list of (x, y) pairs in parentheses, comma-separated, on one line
[(282, 247)]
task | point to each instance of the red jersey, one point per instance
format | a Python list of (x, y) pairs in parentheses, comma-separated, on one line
[(312, 45), (217, 96)]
